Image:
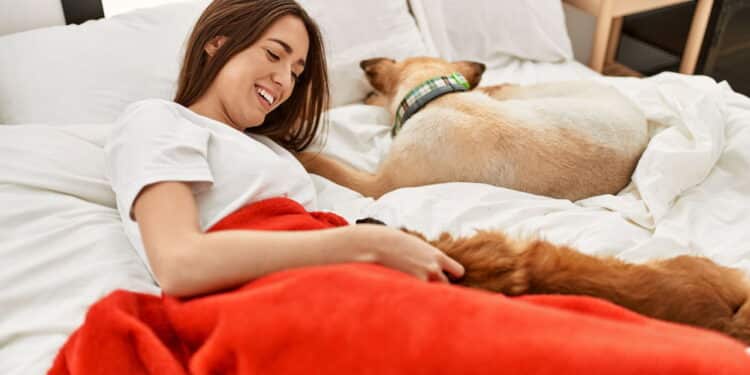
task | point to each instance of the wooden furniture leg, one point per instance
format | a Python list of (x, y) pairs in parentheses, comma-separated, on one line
[(614, 41), (695, 37), (601, 35)]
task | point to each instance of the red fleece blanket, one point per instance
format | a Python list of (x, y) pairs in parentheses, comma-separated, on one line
[(366, 319)]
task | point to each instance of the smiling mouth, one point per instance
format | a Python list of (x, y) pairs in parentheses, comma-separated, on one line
[(265, 98)]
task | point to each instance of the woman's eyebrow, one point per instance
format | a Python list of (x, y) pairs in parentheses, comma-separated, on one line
[(288, 49)]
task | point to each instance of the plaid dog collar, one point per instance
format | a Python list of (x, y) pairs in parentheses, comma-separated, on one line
[(425, 93)]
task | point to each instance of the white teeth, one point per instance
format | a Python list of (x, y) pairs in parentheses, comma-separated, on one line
[(268, 97)]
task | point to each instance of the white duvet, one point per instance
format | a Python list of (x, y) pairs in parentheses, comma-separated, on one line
[(62, 248)]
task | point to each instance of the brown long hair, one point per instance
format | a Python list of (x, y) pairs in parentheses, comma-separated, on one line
[(294, 123)]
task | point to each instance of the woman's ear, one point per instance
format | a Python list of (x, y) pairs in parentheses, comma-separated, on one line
[(471, 70), (214, 44)]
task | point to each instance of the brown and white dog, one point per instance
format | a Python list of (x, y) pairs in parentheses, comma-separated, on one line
[(567, 140)]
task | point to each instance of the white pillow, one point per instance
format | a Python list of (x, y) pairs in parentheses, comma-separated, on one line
[(355, 30), (90, 73), (492, 31)]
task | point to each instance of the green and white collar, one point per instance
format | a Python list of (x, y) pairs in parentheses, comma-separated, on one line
[(425, 93)]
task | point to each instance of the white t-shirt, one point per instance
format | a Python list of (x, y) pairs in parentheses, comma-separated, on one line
[(158, 140)]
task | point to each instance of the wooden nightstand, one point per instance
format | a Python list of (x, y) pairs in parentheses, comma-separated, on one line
[(609, 15)]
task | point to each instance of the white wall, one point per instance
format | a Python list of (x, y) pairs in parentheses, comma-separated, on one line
[(581, 31), (113, 7), (22, 15)]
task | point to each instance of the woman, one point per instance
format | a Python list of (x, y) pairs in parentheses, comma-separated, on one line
[(252, 89)]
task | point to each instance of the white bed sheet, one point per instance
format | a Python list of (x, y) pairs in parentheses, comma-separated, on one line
[(62, 246)]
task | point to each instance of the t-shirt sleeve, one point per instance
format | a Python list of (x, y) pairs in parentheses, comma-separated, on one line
[(152, 143)]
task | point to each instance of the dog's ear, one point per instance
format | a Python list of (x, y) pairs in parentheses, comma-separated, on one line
[(381, 73), (471, 70)]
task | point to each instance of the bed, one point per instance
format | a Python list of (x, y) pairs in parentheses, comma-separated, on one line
[(61, 241)]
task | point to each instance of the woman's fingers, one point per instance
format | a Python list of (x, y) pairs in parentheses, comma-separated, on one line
[(412, 254), (454, 268), (438, 276)]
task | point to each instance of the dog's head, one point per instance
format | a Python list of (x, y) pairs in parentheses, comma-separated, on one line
[(392, 79)]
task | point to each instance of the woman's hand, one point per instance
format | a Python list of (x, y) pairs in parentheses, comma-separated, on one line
[(395, 249)]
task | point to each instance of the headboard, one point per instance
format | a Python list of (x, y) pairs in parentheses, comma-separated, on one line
[(22, 15), (79, 11)]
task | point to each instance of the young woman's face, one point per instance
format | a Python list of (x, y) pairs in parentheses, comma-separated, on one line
[(258, 79)]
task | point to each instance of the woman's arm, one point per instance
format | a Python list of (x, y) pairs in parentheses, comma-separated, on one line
[(187, 261)]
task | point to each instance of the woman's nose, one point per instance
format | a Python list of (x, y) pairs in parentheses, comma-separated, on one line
[(283, 78)]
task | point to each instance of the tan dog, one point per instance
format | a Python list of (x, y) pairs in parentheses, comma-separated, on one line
[(566, 140), (686, 289)]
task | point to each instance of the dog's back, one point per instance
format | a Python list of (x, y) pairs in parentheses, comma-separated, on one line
[(568, 140)]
